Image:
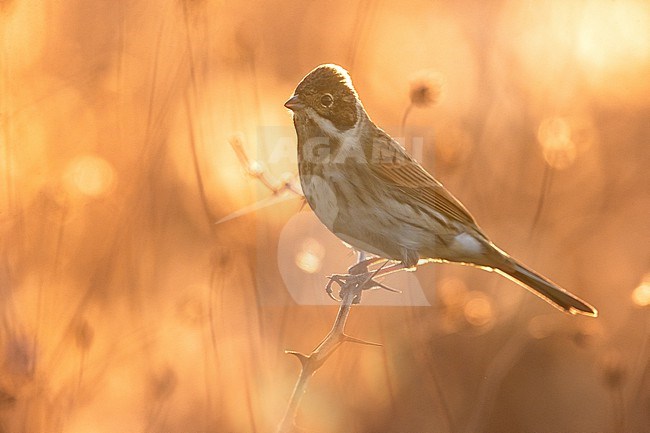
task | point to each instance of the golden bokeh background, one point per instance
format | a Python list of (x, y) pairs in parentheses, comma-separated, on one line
[(124, 307)]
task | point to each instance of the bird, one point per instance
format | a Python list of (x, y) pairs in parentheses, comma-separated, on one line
[(374, 196)]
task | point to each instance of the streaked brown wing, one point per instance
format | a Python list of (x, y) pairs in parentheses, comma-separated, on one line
[(391, 164)]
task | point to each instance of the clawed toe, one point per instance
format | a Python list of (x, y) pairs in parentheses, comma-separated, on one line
[(358, 280)]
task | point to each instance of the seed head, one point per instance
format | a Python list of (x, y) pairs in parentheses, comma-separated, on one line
[(613, 369), (425, 89)]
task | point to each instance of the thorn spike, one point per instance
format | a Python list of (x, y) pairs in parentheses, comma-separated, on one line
[(301, 356), (360, 341)]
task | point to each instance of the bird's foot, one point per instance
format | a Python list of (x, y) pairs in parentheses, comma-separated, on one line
[(356, 281)]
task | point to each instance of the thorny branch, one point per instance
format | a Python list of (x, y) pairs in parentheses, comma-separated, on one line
[(350, 294), (351, 285)]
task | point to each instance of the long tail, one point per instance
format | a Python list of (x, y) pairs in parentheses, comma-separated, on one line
[(546, 289)]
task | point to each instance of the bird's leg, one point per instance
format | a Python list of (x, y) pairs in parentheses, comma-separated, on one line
[(362, 265), (395, 267)]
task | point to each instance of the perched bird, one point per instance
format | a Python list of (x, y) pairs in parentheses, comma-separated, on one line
[(374, 196)]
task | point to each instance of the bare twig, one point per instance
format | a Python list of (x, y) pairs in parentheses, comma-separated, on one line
[(495, 374), (255, 170), (641, 368), (547, 177), (282, 190), (365, 14), (402, 128)]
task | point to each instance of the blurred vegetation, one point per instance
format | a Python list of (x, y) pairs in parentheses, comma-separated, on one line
[(125, 308)]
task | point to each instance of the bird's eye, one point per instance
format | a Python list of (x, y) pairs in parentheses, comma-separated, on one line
[(326, 100)]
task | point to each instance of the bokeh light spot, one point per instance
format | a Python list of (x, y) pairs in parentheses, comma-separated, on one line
[(601, 46), (478, 309), (554, 135), (541, 327), (451, 291), (625, 43), (89, 175), (255, 168), (310, 256), (641, 294)]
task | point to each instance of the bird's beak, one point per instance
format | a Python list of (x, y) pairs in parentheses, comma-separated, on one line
[(294, 103)]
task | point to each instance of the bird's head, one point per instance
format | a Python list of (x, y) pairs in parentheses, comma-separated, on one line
[(327, 93)]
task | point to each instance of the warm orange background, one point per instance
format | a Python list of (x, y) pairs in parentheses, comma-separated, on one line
[(124, 308)]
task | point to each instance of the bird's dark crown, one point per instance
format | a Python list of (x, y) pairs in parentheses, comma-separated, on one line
[(340, 107)]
